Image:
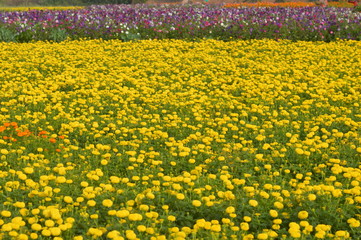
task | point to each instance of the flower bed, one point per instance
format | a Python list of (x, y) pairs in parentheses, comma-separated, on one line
[(178, 140), (15, 9), (287, 4), (190, 22)]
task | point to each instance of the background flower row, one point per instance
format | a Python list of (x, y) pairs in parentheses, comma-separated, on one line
[(129, 22)]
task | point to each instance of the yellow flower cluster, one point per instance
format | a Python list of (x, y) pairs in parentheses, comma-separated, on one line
[(173, 139)]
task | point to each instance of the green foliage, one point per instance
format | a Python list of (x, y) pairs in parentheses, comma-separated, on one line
[(25, 36), (357, 9), (58, 35), (6, 35)]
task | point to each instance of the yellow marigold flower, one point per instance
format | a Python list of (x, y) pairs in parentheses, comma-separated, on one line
[(144, 207), (353, 222), (226, 220), (320, 234), (272, 234), (107, 203), (122, 213), (323, 227), (299, 176), (113, 234), (22, 236), (311, 197), (253, 203), (55, 213), (49, 223), (180, 196), (216, 228), (262, 236), (277, 221), (95, 232), (171, 218), (91, 203), (6, 227), (196, 203), (294, 225), (141, 228), (259, 156), (244, 226), (36, 227), (68, 199), (5, 213), (104, 162), (55, 231), (302, 214), (150, 195), (135, 217), (130, 234), (304, 223), (4, 151), (29, 170), (324, 145), (35, 211), (19, 204), (174, 229), (273, 213), (295, 232), (32, 220), (150, 230), (299, 151), (278, 205), (46, 232), (342, 234), (230, 210)]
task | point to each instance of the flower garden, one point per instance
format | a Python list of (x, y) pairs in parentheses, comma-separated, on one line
[(179, 122), (221, 22)]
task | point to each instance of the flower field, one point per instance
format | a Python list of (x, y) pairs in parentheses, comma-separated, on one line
[(20, 9), (343, 4), (172, 139), (134, 22)]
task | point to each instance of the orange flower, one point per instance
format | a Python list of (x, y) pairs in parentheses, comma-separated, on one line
[(61, 137), (24, 133), (52, 140), (2, 128), (42, 132), (7, 124), (21, 134)]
